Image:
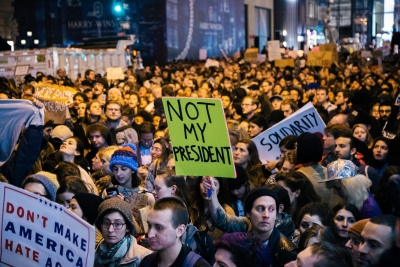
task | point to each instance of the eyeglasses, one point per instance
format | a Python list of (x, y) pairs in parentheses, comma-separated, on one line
[(116, 225)]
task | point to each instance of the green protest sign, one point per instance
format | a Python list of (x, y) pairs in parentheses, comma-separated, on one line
[(199, 137)]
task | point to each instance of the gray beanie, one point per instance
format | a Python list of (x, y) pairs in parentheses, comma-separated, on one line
[(48, 180), (116, 204)]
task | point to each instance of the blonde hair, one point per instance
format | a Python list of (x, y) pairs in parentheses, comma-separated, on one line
[(355, 190), (235, 130), (290, 156), (105, 153), (369, 142)]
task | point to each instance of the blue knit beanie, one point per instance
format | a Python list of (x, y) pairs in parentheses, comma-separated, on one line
[(126, 156), (49, 181)]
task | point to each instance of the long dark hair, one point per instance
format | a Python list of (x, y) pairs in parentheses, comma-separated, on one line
[(136, 181), (253, 169)]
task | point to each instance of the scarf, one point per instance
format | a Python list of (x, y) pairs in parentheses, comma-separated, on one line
[(112, 256)]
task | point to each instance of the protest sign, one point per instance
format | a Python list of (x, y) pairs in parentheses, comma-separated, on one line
[(212, 63), (321, 58), (203, 54), (282, 63), (21, 70), (304, 120), (115, 73), (261, 58), (42, 233), (331, 47), (251, 54), (274, 50), (199, 137), (366, 54), (56, 100)]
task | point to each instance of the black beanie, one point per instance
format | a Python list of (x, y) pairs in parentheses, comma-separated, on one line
[(256, 193), (309, 148), (240, 180), (89, 204)]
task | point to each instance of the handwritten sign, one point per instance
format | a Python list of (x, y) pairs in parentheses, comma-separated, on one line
[(251, 54), (366, 54), (115, 73), (199, 137), (42, 233), (274, 50), (281, 63), (55, 99), (331, 47), (304, 120), (21, 70), (321, 58), (212, 63), (261, 58)]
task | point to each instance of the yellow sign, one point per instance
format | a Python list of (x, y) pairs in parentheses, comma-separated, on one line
[(321, 58), (332, 48), (282, 63), (251, 54)]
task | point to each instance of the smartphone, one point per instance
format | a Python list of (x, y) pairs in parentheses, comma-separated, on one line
[(112, 191), (209, 191), (398, 100)]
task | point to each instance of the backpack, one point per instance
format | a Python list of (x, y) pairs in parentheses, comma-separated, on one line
[(200, 242), (189, 261)]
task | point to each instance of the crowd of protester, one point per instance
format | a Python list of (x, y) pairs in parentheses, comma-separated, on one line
[(331, 200)]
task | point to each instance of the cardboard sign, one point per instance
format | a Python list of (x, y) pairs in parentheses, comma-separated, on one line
[(366, 54), (304, 120), (281, 63), (21, 70), (212, 63), (199, 137), (251, 54), (38, 232), (56, 100), (274, 50), (332, 48), (135, 200), (115, 73), (321, 58)]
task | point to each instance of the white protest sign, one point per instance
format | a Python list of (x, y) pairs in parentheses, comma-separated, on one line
[(304, 120), (212, 63), (274, 50), (115, 73), (261, 57), (38, 232), (202, 54)]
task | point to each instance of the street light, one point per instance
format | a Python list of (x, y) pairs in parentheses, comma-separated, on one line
[(23, 42), (29, 33), (36, 41)]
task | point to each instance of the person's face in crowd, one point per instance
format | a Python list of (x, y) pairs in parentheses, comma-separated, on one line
[(263, 215), (239, 192), (384, 112), (285, 94), (96, 163), (369, 81), (123, 175), (81, 110), (156, 121), (97, 140), (69, 147), (287, 110), (342, 148), (3, 96), (322, 97), (161, 190), (47, 133), (77, 100), (276, 104), (113, 112), (376, 240), (254, 129), (277, 89), (159, 134), (95, 109), (247, 106), (203, 93), (65, 198), (292, 195), (241, 154), (302, 76), (227, 84), (133, 101), (139, 120), (111, 235), (162, 234), (203, 191), (310, 79), (294, 95), (282, 82), (353, 245), (91, 76), (215, 94), (142, 91), (223, 258), (126, 99), (146, 140), (309, 220), (360, 133), (36, 188), (259, 75), (305, 258), (343, 220), (287, 166), (106, 167), (188, 82), (187, 91), (266, 87), (329, 141), (75, 208), (132, 79), (340, 100), (98, 88), (126, 119), (380, 150), (226, 101), (156, 151), (354, 70), (113, 95), (355, 86)]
